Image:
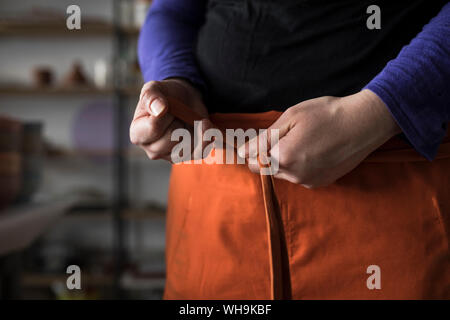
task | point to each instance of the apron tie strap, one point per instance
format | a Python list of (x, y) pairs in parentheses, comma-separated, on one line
[(273, 217)]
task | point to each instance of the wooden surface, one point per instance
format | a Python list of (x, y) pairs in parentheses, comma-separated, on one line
[(21, 225)]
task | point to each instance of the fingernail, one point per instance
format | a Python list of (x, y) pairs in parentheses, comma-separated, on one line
[(241, 151), (156, 107)]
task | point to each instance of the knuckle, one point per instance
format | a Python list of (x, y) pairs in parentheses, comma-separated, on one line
[(153, 84), (134, 140), (253, 168), (295, 179), (151, 155), (145, 134), (299, 178), (290, 111), (133, 137), (157, 149), (149, 88), (149, 84), (286, 159)]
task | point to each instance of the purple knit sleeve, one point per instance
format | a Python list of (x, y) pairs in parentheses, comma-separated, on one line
[(167, 39), (415, 86)]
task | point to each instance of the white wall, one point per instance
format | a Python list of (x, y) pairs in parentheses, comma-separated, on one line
[(18, 55)]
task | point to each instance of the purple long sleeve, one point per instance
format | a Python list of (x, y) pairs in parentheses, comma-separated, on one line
[(166, 41), (415, 86)]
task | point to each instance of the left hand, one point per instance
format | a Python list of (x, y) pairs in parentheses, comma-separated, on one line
[(322, 139)]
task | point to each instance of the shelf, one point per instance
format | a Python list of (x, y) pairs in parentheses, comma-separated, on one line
[(59, 28), (128, 214), (21, 225), (34, 91), (130, 152), (46, 280), (128, 281)]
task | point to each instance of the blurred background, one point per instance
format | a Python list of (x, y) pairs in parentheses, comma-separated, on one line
[(73, 191)]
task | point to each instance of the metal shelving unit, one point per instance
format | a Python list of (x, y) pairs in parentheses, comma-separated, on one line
[(19, 227), (121, 38), (120, 200)]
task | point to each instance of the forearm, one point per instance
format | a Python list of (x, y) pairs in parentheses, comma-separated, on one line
[(167, 39), (416, 86)]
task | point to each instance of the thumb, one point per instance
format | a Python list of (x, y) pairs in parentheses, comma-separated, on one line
[(157, 107)]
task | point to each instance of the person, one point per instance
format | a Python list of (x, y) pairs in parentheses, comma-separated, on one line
[(364, 157)]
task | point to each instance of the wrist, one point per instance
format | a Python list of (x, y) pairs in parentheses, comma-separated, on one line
[(188, 84), (378, 112)]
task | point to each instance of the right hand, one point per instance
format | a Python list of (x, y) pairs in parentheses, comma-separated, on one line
[(151, 127)]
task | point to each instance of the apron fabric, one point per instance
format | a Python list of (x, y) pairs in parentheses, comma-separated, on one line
[(392, 211)]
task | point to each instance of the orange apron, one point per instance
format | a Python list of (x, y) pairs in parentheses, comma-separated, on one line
[(392, 211)]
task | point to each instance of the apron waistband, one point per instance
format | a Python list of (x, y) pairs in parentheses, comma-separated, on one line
[(394, 150)]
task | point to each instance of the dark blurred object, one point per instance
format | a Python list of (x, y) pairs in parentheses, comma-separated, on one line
[(42, 76), (76, 76), (10, 160), (32, 160), (10, 135)]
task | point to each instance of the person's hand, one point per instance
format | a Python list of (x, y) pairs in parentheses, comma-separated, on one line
[(151, 127), (322, 139)]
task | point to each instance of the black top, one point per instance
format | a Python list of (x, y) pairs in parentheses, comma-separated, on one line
[(260, 55)]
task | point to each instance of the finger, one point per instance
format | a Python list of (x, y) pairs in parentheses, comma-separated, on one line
[(146, 130), (153, 156), (199, 145), (164, 144), (258, 145), (263, 141), (281, 154), (150, 121), (143, 106), (286, 176), (249, 148)]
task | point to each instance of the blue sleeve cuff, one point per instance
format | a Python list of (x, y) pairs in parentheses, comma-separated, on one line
[(415, 86)]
